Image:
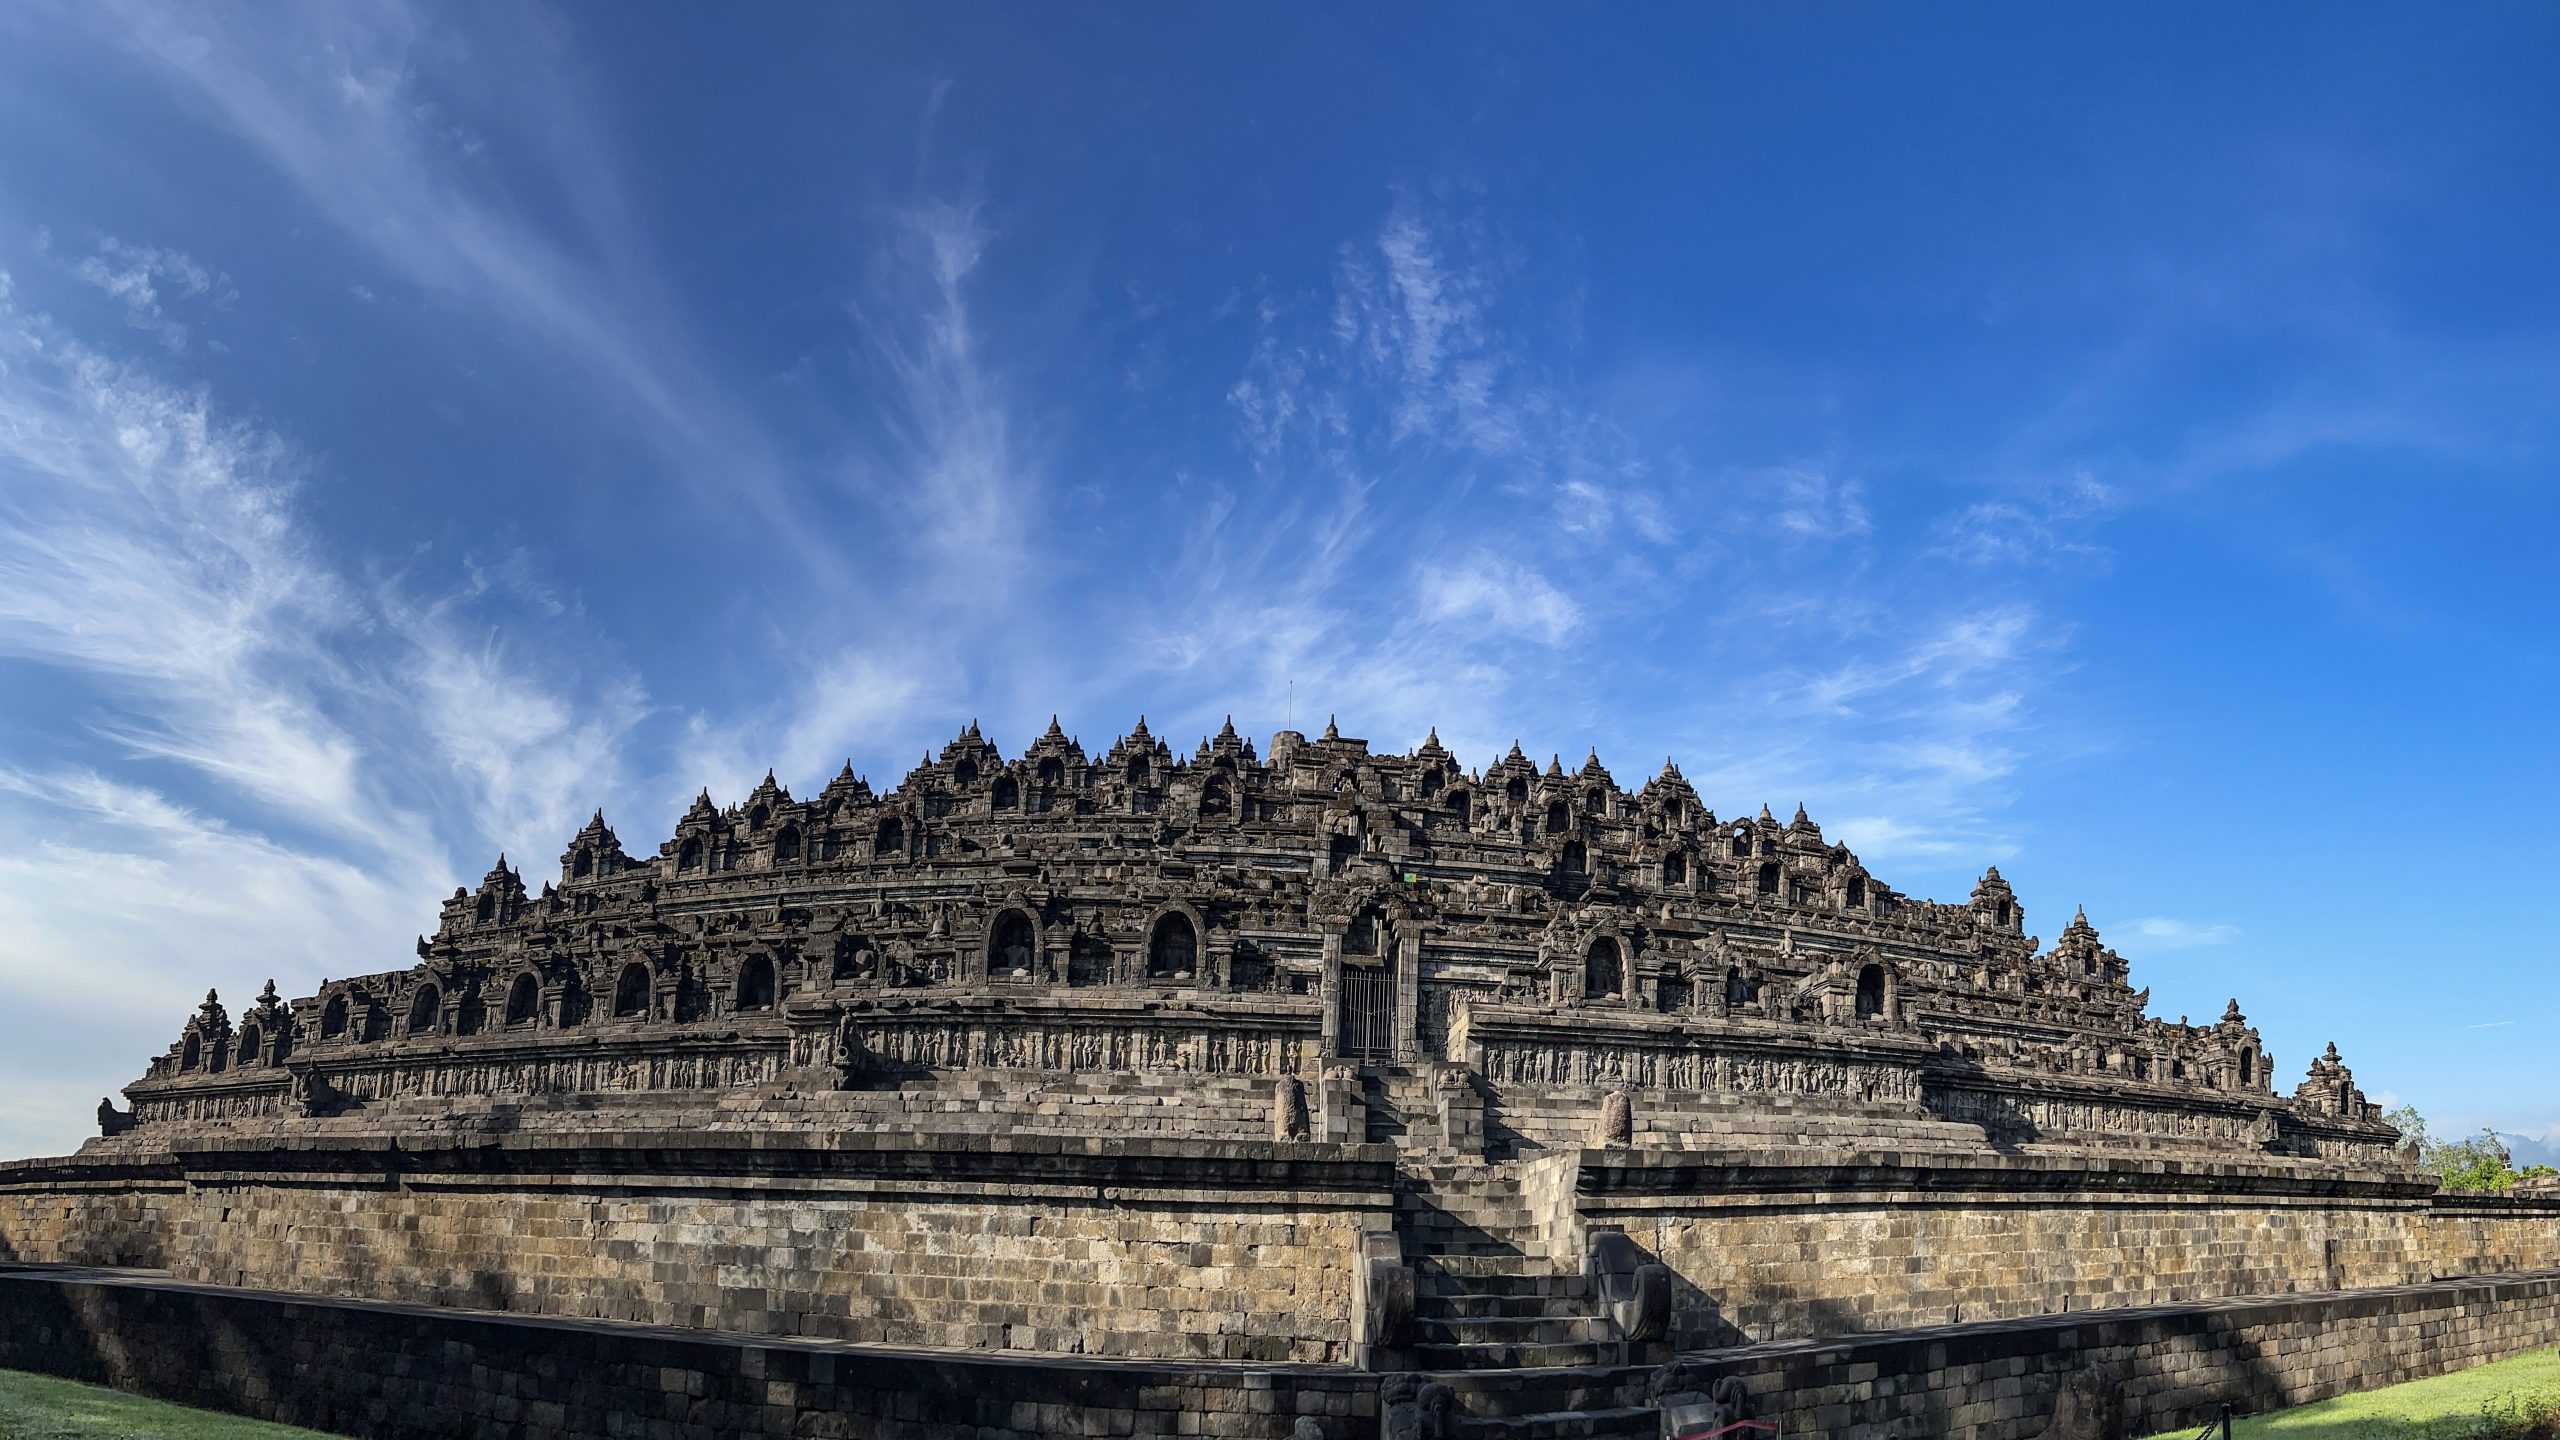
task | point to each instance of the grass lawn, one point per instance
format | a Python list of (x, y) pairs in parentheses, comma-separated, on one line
[(40, 1407), (2445, 1405)]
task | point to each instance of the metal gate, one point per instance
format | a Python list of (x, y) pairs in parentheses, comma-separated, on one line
[(1368, 1012)]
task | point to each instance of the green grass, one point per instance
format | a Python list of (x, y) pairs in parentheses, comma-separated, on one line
[(2462, 1404), (40, 1407)]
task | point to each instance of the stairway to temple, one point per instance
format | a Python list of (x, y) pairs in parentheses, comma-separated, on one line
[(1490, 1301)]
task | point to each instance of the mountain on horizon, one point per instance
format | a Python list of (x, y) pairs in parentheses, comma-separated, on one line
[(2524, 1150)]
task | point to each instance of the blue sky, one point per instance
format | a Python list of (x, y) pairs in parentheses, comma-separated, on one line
[(2117, 448)]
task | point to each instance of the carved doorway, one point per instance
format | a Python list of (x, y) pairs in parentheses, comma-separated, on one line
[(1368, 1012)]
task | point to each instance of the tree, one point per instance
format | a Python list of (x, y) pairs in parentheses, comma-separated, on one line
[(2478, 1163)]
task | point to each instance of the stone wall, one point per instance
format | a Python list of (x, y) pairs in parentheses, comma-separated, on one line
[(2177, 1364), (1773, 1247), (385, 1370), (1194, 1250), (406, 1371)]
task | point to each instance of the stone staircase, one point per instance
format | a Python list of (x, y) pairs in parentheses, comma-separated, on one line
[(1521, 1341)]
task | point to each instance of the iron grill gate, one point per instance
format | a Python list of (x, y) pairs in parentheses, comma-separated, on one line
[(1368, 1012)]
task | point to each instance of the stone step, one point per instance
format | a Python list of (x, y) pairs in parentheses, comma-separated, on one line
[(1561, 1354), (1516, 1330), (1508, 1263), (1465, 1305), (1561, 1287), (1532, 1256), (1517, 1394), (1628, 1420)]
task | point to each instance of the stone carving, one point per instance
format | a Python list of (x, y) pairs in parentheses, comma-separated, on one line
[(1413, 1408), (1694, 1401), (313, 1095), (1289, 1109), (111, 1121), (1634, 1290), (1595, 941), (1617, 1120)]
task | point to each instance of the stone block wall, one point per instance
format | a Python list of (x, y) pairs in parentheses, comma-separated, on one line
[(1200, 1251), (1771, 1250), (374, 1369), (2177, 1364), (401, 1371)]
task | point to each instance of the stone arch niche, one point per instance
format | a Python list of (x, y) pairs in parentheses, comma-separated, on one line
[(426, 1010), (1604, 969), (1872, 983), (891, 838), (1740, 990), (631, 992), (376, 1020), (1217, 799), (1462, 805), (1576, 859), (1177, 944), (524, 1000), (1675, 868), (245, 1052), (786, 844), (1006, 794), (757, 986), (1517, 792), (469, 1012), (191, 1051), (575, 1004), (1013, 946), (333, 1018), (1767, 883), (1364, 936), (1559, 817)]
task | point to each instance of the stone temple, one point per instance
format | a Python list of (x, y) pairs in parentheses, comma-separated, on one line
[(1280, 1069)]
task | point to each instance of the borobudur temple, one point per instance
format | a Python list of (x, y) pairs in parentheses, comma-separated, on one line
[(1311, 1055)]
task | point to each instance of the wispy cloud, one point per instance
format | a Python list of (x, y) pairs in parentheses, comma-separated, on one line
[(340, 741), (1501, 598), (353, 107), (149, 544), (138, 276), (2048, 527), (950, 465), (2157, 933)]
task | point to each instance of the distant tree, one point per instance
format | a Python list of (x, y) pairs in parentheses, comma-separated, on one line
[(2479, 1163)]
